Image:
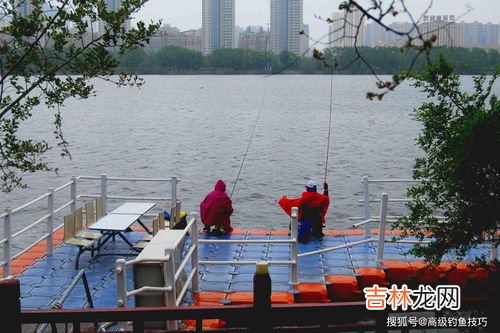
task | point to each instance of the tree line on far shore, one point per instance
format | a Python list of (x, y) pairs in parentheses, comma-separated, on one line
[(383, 60)]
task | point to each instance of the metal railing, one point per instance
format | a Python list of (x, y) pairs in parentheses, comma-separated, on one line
[(367, 200), (382, 220), (171, 272), (293, 241), (52, 212)]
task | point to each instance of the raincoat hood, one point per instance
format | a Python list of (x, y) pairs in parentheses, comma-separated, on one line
[(220, 186)]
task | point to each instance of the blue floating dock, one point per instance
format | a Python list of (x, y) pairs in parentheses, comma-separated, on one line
[(46, 280)]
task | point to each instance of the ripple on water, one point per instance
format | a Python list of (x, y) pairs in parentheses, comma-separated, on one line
[(200, 135)]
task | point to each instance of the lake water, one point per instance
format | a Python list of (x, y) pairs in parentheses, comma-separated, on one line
[(198, 129)]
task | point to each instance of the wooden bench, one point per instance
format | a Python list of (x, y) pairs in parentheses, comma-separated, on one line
[(80, 232), (158, 224), (71, 238)]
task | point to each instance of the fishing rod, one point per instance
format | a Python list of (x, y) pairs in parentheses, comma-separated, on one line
[(248, 146), (329, 126)]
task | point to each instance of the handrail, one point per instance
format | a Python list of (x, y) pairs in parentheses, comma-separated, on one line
[(61, 208), (390, 200), (148, 289), (34, 224), (30, 203), (62, 187), (367, 200), (393, 180), (52, 212), (292, 241), (117, 197), (172, 273), (184, 262), (247, 241), (132, 179), (186, 285), (245, 262), (339, 247)]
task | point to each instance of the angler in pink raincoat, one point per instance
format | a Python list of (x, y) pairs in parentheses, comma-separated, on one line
[(216, 209)]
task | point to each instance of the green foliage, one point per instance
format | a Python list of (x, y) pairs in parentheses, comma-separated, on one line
[(384, 60), (390, 60), (460, 170), (48, 56), (174, 57)]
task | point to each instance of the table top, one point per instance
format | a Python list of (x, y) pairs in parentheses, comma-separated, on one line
[(115, 222), (133, 208)]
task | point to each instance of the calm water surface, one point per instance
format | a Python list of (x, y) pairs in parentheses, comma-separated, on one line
[(198, 128)]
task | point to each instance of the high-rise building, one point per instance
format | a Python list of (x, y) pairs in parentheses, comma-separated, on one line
[(447, 32), (254, 38), (376, 35), (169, 35), (113, 5), (218, 24), (286, 25), (491, 35), (347, 29)]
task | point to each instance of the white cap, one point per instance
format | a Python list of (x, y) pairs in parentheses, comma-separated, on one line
[(311, 184)]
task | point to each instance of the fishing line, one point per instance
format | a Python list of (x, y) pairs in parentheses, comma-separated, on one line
[(329, 125), (248, 146)]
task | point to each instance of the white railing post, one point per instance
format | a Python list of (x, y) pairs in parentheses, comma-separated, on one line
[(121, 286), (294, 245), (7, 246), (383, 218), (194, 257), (366, 204), (50, 221), (494, 251), (104, 193), (174, 191), (73, 193), (170, 270)]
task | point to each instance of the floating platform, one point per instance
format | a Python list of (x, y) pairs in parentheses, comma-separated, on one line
[(334, 276)]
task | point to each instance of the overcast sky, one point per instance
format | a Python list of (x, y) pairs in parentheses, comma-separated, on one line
[(186, 14)]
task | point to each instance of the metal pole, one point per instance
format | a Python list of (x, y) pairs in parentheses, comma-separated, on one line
[(104, 192), (170, 282), (194, 258), (121, 282), (50, 220), (121, 286), (366, 203), (174, 191), (383, 218), (294, 245), (73, 193), (7, 246), (494, 251)]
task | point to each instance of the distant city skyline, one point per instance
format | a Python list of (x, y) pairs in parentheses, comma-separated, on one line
[(187, 14)]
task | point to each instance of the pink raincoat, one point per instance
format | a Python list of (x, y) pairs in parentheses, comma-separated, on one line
[(217, 208)]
